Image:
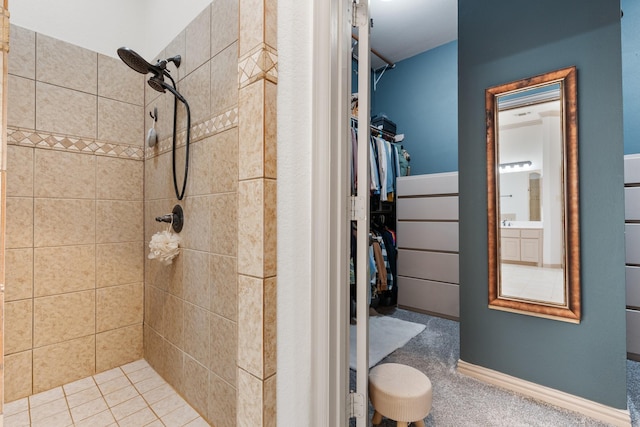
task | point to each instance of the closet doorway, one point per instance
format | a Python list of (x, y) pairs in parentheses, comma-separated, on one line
[(374, 61)]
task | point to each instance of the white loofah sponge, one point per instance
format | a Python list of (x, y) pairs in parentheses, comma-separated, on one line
[(164, 246)]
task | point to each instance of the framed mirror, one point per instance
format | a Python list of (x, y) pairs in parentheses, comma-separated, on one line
[(532, 186)]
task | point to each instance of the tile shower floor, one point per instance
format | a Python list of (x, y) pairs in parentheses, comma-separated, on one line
[(133, 395)]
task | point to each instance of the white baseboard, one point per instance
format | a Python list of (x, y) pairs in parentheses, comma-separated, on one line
[(598, 411)]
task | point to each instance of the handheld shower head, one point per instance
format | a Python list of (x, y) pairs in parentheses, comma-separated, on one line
[(157, 83)]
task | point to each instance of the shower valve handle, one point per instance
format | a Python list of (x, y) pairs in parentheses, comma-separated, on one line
[(175, 218), (165, 218)]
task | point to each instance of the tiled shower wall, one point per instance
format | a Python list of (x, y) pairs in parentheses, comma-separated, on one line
[(210, 316), (74, 239), (75, 254)]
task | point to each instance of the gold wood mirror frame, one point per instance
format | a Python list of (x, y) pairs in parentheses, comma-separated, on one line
[(567, 308)]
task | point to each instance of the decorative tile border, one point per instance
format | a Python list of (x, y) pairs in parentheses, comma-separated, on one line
[(199, 131), (260, 63), (47, 140), (32, 138)]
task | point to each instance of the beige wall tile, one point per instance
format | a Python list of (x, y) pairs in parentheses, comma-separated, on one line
[(19, 171), (154, 300), (22, 54), (270, 129), (196, 385), (251, 24), (197, 333), (224, 286), (65, 111), (119, 306), (52, 225), (174, 320), (158, 182), (196, 88), (63, 174), (224, 348), (63, 363), (224, 25), (222, 403), (196, 277), (174, 366), (21, 102), (63, 269), (197, 219), (16, 384), (251, 227), (225, 162), (66, 65), (18, 274), (153, 349), (251, 325), (270, 402), (224, 80), (201, 167), (270, 230), (118, 347), (120, 122), (224, 225), (270, 326), (252, 131), (271, 22), (250, 400), (18, 326), (117, 81), (119, 263), (119, 179), (213, 164), (63, 317), (198, 36), (19, 225), (119, 221)]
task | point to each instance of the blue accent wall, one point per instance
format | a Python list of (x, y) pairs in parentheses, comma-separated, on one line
[(631, 75), (421, 96), (498, 43)]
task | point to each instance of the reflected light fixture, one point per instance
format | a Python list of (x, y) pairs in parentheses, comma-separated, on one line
[(515, 166)]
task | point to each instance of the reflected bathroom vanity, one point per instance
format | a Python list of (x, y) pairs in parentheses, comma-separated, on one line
[(522, 244)]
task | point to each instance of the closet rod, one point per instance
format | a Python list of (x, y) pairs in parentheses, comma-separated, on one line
[(376, 53), (376, 130)]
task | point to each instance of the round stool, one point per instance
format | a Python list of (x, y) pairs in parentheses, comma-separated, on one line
[(399, 392)]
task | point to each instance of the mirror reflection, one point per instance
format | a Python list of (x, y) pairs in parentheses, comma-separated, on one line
[(530, 141), (532, 189)]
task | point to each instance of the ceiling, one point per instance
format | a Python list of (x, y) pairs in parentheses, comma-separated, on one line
[(404, 28)]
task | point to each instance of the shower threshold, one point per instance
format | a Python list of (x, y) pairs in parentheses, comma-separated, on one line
[(131, 395)]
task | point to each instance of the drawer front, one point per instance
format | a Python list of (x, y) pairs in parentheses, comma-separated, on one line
[(529, 233), (509, 232)]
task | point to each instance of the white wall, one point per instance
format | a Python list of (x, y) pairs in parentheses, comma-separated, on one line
[(103, 26), (294, 212)]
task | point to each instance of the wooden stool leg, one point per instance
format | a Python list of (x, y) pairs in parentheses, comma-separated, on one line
[(402, 424), (377, 418), (419, 423)]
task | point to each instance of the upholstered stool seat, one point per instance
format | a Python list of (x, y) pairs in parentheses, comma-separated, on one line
[(399, 392)]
